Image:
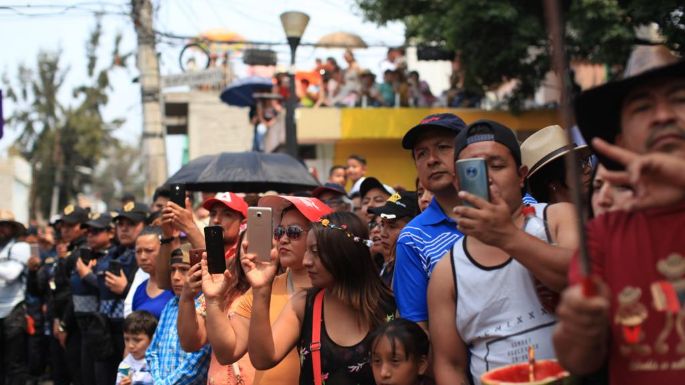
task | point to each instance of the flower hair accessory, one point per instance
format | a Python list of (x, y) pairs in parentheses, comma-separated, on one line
[(327, 223)]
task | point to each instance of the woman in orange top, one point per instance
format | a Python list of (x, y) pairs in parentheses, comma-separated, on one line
[(228, 336)]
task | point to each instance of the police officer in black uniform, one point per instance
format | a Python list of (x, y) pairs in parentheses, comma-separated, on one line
[(53, 283)]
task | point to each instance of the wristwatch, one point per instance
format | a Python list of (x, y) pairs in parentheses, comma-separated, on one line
[(165, 241)]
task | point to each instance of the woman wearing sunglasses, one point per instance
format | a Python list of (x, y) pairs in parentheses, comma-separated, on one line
[(228, 336), (348, 299)]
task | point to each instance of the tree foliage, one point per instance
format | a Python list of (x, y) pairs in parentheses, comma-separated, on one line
[(500, 40), (64, 139)]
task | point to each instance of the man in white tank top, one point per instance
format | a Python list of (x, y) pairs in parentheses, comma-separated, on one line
[(482, 298)]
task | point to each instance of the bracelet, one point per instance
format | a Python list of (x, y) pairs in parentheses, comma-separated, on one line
[(166, 241)]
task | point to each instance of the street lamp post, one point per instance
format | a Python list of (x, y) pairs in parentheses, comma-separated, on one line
[(294, 24)]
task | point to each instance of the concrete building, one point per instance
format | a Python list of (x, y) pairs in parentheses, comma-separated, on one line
[(15, 186)]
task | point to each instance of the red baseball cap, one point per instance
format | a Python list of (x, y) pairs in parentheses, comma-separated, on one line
[(312, 208), (228, 199)]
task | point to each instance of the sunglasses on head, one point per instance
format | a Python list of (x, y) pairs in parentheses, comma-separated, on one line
[(293, 232)]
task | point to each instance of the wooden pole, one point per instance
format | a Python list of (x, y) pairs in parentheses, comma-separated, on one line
[(555, 31)]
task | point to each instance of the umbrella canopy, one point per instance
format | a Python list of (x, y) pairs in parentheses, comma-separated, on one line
[(191, 170), (240, 93), (254, 172), (341, 40)]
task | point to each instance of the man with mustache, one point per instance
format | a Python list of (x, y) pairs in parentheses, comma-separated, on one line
[(635, 321)]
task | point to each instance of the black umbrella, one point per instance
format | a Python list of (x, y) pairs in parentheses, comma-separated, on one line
[(191, 170), (254, 172)]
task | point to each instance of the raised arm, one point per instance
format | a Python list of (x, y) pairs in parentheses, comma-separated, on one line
[(492, 224), (268, 346), (191, 328), (449, 351)]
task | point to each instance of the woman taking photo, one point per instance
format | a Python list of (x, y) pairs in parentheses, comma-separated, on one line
[(228, 335), (348, 300)]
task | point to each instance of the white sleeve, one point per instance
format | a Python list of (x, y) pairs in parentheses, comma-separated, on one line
[(139, 278), (11, 268)]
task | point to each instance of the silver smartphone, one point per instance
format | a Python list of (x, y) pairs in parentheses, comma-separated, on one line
[(260, 232), (473, 177)]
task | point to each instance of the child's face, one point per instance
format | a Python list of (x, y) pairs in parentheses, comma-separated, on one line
[(179, 275), (395, 369), (137, 344)]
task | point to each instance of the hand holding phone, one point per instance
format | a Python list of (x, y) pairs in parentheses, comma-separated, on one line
[(260, 232), (214, 242), (114, 267), (473, 177)]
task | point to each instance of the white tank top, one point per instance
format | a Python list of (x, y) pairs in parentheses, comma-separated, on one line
[(498, 311)]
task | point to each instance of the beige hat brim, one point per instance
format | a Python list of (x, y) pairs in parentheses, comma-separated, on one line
[(582, 150)]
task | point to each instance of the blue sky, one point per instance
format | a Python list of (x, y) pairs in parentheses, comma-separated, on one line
[(24, 36)]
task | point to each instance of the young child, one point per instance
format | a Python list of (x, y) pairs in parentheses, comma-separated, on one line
[(139, 327), (399, 353)]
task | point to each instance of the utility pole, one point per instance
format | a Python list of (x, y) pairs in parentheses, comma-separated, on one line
[(154, 148)]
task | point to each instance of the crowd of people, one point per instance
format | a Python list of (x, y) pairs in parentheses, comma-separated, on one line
[(377, 284), (331, 85)]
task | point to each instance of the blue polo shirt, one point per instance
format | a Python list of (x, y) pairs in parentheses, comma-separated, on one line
[(421, 244)]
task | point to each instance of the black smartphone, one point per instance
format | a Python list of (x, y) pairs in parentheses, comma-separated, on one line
[(114, 267), (214, 242), (473, 177), (178, 194), (86, 254)]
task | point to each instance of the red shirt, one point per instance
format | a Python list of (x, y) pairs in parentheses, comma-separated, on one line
[(641, 257)]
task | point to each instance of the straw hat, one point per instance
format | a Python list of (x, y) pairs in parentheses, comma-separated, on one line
[(545, 146), (598, 110), (7, 216)]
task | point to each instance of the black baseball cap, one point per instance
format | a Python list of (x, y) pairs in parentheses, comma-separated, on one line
[(488, 130), (136, 212), (371, 183), (329, 187), (98, 221), (72, 214), (447, 121), (399, 205)]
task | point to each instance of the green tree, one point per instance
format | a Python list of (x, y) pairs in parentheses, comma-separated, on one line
[(499, 40), (64, 140)]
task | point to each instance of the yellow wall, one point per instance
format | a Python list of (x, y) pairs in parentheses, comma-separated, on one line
[(386, 160), (376, 134)]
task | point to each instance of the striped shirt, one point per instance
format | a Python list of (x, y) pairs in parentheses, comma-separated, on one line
[(421, 244), (167, 361)]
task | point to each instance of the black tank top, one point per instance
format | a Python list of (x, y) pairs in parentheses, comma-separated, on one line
[(340, 365)]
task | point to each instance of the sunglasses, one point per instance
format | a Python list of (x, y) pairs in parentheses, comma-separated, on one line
[(94, 231), (293, 232), (373, 224)]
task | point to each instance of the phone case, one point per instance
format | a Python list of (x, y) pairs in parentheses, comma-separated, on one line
[(260, 232), (86, 254), (473, 177), (178, 194), (195, 256), (114, 267), (214, 242)]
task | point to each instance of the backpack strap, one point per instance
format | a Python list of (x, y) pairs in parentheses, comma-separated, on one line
[(315, 347)]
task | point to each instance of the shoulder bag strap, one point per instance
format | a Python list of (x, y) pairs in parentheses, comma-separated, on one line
[(315, 347)]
